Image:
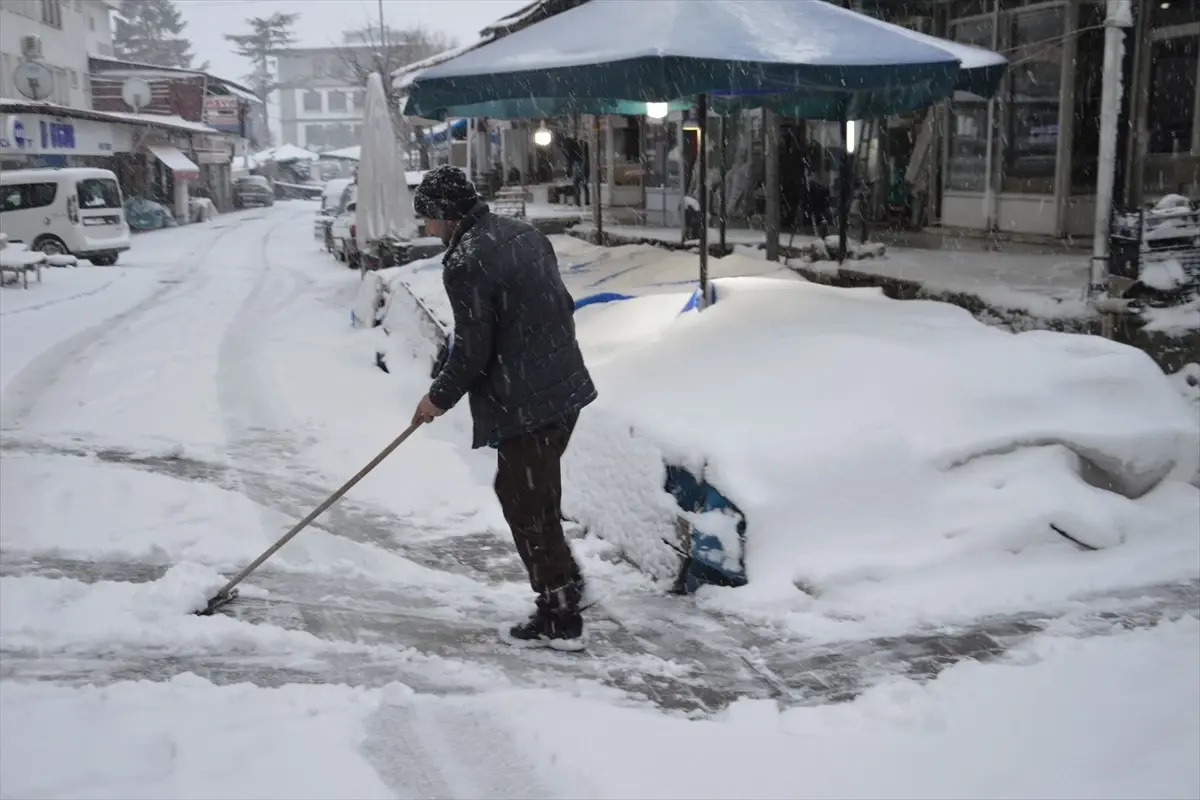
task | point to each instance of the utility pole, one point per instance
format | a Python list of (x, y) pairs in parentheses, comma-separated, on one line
[(1120, 16)]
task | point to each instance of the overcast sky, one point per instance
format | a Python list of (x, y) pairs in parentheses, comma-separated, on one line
[(323, 21)]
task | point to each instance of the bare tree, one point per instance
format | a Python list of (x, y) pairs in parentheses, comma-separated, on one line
[(369, 49)]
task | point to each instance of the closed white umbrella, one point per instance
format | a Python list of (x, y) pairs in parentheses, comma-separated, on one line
[(384, 205)]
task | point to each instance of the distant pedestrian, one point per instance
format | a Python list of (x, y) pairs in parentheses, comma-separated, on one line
[(580, 177), (515, 355)]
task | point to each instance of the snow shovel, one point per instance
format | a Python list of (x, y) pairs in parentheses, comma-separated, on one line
[(228, 592)]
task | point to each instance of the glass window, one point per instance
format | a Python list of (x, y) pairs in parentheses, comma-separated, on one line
[(359, 99), (1089, 74), (312, 100), (337, 101), (1031, 100), (52, 13), (23, 196), (99, 193), (314, 136), (1172, 108), (1175, 12), (660, 139), (967, 162)]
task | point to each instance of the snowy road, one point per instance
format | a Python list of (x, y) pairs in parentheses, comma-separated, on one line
[(180, 413)]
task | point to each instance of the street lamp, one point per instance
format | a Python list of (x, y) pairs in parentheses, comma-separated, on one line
[(851, 134), (657, 110), (542, 136)]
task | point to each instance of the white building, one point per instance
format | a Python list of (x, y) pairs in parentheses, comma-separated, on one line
[(70, 30), (321, 107)]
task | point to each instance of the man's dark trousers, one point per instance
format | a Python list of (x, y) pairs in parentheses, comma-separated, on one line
[(529, 487)]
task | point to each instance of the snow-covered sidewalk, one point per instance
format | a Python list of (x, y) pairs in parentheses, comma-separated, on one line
[(1046, 286)]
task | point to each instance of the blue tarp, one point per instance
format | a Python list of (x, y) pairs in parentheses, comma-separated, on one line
[(808, 55)]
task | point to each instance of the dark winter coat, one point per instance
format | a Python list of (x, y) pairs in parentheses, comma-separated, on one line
[(514, 351)]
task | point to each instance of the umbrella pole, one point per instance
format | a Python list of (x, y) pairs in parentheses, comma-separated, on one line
[(843, 192), (594, 164), (702, 113), (724, 177)]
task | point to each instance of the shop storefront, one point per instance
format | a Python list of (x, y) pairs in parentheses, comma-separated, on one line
[(1026, 161), (29, 141), (214, 156)]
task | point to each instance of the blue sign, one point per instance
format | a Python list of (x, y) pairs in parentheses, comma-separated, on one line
[(57, 136), (18, 133)]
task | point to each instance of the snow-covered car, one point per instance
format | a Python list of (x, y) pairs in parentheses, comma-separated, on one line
[(253, 190), (333, 197), (342, 232)]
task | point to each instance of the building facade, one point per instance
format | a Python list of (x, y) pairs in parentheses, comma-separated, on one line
[(321, 104), (70, 31), (1034, 172)]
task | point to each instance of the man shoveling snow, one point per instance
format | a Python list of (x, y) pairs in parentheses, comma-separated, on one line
[(516, 357)]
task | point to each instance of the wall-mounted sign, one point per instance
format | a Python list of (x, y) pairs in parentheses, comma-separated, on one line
[(13, 136), (36, 134), (222, 113)]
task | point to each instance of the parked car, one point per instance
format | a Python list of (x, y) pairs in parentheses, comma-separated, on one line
[(73, 211), (253, 190), (333, 197), (342, 231)]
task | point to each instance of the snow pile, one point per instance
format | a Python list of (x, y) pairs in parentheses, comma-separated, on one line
[(1164, 276), (1180, 320), (1187, 380), (606, 330), (36, 611), (866, 438)]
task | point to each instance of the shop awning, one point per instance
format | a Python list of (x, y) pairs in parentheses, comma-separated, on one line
[(179, 164)]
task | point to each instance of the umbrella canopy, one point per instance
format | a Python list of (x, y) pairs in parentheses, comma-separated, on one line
[(804, 57), (384, 206)]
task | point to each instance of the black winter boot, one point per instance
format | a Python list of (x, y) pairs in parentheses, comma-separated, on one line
[(547, 629)]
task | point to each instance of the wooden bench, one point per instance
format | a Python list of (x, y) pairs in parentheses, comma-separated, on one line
[(18, 261), (510, 202)]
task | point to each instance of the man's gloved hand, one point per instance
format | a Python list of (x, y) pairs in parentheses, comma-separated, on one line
[(426, 412)]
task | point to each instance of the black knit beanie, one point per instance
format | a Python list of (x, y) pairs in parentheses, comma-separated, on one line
[(444, 193)]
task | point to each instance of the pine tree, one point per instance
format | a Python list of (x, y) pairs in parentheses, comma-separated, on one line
[(151, 31), (267, 36)]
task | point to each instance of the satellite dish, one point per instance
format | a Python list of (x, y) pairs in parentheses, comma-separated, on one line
[(136, 94), (33, 80)]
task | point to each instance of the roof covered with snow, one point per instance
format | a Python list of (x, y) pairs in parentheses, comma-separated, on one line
[(121, 66), (10, 105), (404, 76), (284, 153)]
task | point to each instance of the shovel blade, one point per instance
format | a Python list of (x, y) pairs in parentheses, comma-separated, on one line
[(217, 602)]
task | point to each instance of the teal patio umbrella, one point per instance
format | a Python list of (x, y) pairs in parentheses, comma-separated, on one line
[(805, 58)]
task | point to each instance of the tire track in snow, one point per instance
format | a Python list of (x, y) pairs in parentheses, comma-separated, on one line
[(39, 377), (444, 749)]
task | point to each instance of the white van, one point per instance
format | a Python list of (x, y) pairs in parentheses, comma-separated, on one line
[(65, 211)]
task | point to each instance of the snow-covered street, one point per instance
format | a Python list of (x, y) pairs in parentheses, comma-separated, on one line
[(165, 420)]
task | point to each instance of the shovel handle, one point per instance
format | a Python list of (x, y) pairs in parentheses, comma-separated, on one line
[(319, 510)]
